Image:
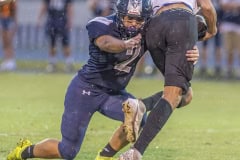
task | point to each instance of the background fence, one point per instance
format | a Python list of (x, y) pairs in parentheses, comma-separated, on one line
[(30, 41)]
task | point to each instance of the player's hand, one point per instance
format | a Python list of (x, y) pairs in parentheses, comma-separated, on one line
[(193, 55), (133, 42)]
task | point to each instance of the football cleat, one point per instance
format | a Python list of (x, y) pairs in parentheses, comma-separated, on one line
[(134, 110), (131, 154), (17, 152)]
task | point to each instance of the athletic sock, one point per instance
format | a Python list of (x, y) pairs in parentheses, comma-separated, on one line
[(28, 152), (151, 101), (155, 121), (108, 151)]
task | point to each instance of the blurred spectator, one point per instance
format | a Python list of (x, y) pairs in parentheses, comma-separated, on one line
[(58, 24), (230, 28), (101, 7), (8, 27), (217, 48)]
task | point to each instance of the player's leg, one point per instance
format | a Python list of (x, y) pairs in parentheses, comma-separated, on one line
[(115, 144), (8, 30), (177, 71), (228, 44), (203, 67), (51, 34), (217, 55), (65, 34), (238, 53), (77, 114), (119, 138), (113, 109), (82, 102)]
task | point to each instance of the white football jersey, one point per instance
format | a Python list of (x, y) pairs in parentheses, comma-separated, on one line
[(159, 3)]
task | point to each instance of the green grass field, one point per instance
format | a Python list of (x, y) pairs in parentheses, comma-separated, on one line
[(31, 106)]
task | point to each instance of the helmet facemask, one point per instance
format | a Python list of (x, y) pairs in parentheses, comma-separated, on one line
[(130, 30), (138, 11)]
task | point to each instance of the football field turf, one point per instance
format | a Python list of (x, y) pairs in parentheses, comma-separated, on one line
[(31, 106)]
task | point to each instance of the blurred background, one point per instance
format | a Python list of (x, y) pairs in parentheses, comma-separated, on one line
[(31, 102), (219, 57)]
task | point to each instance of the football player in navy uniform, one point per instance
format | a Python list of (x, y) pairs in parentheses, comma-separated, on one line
[(58, 24), (171, 32), (116, 45)]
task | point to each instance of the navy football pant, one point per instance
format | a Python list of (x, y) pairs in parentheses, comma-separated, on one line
[(82, 100)]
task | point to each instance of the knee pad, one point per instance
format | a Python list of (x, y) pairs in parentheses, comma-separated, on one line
[(68, 150)]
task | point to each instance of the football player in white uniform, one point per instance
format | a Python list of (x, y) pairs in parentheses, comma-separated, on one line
[(171, 32)]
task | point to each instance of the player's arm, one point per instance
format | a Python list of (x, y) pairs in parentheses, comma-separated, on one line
[(111, 44), (193, 55), (209, 13)]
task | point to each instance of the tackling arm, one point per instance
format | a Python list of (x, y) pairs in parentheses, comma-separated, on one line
[(209, 13), (111, 44)]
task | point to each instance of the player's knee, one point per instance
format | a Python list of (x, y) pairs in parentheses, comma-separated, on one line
[(68, 150), (172, 95), (189, 100), (189, 95), (173, 100), (186, 99)]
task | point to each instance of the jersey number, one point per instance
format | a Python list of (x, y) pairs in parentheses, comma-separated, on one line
[(124, 66)]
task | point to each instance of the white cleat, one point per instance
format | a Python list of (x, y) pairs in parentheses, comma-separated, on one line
[(134, 110), (131, 154)]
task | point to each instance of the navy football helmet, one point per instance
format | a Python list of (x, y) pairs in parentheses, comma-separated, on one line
[(141, 9)]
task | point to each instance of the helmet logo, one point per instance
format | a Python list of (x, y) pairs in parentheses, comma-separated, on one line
[(135, 7)]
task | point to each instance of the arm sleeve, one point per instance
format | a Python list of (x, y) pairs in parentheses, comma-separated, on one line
[(98, 27)]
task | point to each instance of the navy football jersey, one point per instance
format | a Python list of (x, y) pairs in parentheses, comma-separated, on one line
[(57, 9), (109, 70)]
